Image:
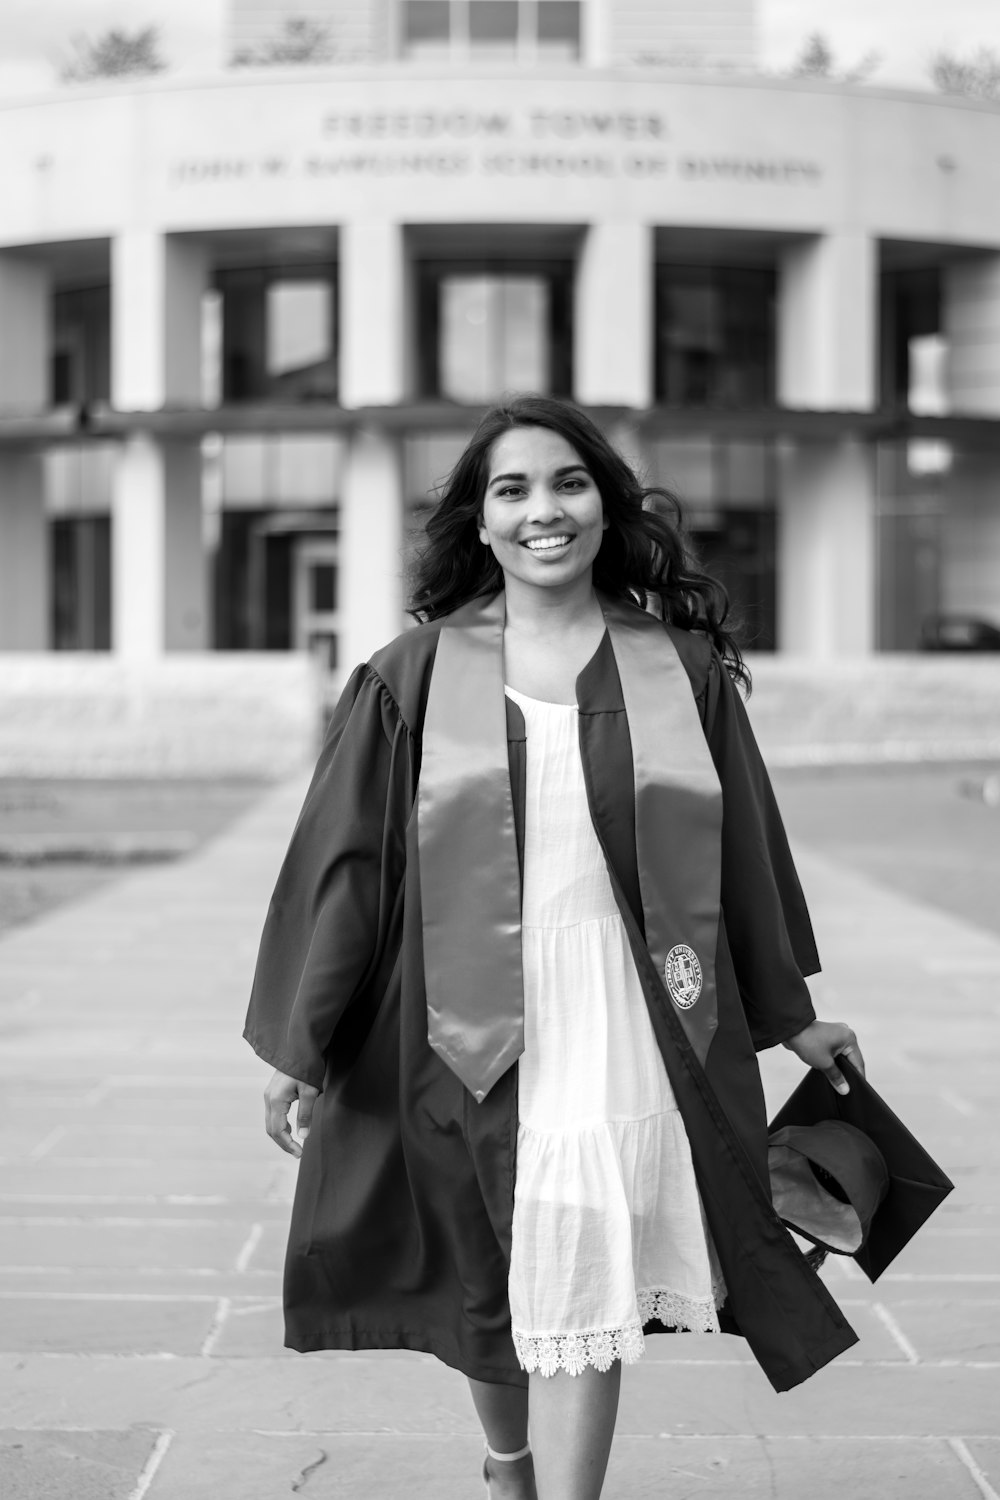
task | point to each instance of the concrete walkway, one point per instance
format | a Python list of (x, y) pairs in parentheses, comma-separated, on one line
[(143, 1215)]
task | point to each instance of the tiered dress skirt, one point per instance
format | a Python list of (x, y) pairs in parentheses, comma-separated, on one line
[(608, 1230)]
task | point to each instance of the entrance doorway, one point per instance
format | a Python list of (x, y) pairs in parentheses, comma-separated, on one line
[(315, 604)]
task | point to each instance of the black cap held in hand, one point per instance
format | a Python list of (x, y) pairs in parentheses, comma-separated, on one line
[(882, 1217)]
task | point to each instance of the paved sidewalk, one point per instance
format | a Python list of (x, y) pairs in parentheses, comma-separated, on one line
[(142, 1213)]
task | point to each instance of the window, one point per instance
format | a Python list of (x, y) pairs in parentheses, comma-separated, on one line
[(486, 329), (81, 583), (278, 334), (911, 347), (727, 491), (715, 336), (81, 346), (459, 29)]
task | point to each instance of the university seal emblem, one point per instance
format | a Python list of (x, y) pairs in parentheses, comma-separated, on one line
[(682, 972)]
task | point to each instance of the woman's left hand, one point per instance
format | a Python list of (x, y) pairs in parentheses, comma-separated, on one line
[(821, 1043)]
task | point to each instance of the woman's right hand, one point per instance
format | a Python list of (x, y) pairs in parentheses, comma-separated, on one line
[(280, 1094)]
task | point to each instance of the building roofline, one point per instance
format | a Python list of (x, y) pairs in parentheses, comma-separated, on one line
[(291, 75)]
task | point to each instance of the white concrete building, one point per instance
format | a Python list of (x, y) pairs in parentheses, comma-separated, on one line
[(247, 322)]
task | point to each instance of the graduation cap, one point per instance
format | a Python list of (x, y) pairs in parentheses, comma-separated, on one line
[(847, 1174)]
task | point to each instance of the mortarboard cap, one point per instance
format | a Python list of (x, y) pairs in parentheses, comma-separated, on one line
[(876, 1215)]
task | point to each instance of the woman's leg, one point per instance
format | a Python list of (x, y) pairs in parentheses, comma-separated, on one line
[(503, 1411), (572, 1420)]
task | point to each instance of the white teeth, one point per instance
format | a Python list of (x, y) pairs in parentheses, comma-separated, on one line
[(546, 543)]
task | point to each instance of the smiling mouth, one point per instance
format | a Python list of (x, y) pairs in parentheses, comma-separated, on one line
[(548, 543)]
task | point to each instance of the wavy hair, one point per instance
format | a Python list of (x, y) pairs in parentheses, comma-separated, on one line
[(645, 556)]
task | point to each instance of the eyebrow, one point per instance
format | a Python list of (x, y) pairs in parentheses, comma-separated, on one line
[(559, 473)]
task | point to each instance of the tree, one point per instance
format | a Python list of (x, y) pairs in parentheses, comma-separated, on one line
[(299, 41), (817, 60), (114, 54), (976, 76)]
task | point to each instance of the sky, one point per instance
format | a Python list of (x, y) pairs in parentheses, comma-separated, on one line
[(34, 34)]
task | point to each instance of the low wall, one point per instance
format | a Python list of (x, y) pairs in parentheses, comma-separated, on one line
[(877, 709), (213, 715), (259, 715)]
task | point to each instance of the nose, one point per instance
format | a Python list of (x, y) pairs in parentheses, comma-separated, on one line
[(545, 505)]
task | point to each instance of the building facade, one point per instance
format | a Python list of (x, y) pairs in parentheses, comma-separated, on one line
[(247, 323)]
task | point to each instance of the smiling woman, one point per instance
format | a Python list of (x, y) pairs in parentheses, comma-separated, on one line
[(514, 971)]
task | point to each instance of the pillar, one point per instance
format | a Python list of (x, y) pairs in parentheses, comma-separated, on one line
[(371, 545), (826, 550), (159, 571), (157, 283), (827, 340), (25, 340), (373, 313), (613, 321), (971, 326)]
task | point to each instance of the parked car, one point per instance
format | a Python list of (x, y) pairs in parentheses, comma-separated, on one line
[(959, 633)]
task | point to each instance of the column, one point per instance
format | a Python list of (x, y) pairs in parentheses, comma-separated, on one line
[(25, 585), (971, 326), (613, 316), (159, 572), (373, 313), (827, 335), (371, 545), (826, 550), (157, 283)]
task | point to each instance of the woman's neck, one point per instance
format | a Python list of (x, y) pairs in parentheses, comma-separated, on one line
[(551, 612)]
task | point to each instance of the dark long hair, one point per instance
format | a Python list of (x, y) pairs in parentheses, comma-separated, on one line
[(644, 555)]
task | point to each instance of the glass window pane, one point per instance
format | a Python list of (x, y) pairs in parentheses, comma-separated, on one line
[(305, 468), (559, 21), (493, 21), (298, 325), (745, 477), (684, 467), (467, 335), (524, 364), (427, 20), (324, 587)]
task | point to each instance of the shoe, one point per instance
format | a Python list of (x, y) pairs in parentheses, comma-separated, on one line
[(501, 1458)]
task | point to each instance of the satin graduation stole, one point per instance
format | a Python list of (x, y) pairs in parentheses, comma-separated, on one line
[(469, 874)]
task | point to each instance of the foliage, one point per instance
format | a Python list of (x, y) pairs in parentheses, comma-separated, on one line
[(114, 54), (817, 60), (299, 41), (976, 76)]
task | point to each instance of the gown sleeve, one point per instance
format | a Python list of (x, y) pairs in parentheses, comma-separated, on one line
[(329, 912), (767, 923)]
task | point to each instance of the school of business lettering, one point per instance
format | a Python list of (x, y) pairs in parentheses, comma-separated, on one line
[(512, 162)]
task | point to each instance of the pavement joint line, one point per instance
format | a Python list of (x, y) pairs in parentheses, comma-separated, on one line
[(133, 1270), (222, 1311), (189, 1200), (44, 1146), (889, 1323), (151, 1356), (648, 1437), (953, 1278), (148, 1472), (249, 1246), (109, 1221), (957, 1103), (979, 1479), (136, 1297)]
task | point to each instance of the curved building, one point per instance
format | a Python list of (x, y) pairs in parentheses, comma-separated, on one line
[(247, 322)]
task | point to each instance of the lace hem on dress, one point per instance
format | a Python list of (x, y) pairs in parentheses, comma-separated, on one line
[(547, 1353)]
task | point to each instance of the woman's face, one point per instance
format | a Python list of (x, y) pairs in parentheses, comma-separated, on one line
[(542, 512)]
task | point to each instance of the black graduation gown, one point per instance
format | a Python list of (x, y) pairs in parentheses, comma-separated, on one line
[(401, 1225)]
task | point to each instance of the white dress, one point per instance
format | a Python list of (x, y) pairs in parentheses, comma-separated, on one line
[(608, 1228)]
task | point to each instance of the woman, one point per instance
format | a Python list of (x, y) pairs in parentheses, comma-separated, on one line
[(537, 914)]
